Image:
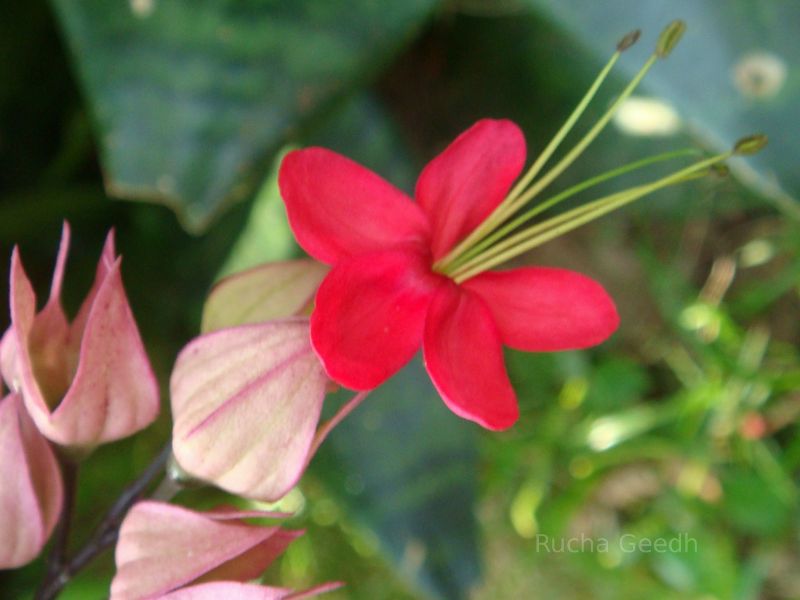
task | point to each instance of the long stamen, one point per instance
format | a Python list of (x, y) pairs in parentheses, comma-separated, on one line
[(516, 199), (542, 159), (573, 154), (538, 234), (625, 43), (666, 42), (560, 197), (543, 232)]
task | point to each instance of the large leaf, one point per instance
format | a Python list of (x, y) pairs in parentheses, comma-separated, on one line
[(731, 75), (405, 467), (191, 96)]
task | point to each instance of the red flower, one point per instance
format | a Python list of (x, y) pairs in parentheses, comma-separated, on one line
[(383, 299)]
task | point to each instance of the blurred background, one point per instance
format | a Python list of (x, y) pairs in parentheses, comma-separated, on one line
[(684, 426)]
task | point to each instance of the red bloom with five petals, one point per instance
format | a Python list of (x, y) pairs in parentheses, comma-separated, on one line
[(382, 298)]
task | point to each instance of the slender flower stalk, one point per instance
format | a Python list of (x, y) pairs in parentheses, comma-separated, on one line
[(327, 426), (57, 557), (105, 534)]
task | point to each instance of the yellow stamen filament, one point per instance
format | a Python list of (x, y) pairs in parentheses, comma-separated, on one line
[(485, 247), (556, 226), (573, 154), (492, 219), (473, 246), (516, 198), (560, 197)]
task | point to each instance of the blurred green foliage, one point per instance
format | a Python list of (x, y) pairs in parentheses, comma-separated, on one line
[(685, 424)]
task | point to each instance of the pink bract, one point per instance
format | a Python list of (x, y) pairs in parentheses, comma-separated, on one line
[(167, 551), (31, 493), (85, 382), (382, 300), (246, 401)]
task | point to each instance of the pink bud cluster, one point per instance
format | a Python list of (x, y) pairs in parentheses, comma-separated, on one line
[(74, 385)]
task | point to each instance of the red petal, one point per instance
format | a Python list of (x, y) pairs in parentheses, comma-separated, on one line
[(369, 316), (540, 309), (464, 357), (337, 208), (460, 187)]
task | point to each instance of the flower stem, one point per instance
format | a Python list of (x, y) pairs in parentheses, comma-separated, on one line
[(166, 490), (60, 545), (105, 534), (328, 426)]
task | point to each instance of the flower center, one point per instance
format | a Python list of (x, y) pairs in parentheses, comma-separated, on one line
[(499, 238)]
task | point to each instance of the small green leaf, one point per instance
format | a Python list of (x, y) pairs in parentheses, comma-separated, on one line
[(267, 235)]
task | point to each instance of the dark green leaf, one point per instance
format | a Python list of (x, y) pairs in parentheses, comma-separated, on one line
[(730, 76), (191, 96)]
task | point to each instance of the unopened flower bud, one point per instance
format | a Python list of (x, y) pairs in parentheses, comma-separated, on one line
[(86, 382)]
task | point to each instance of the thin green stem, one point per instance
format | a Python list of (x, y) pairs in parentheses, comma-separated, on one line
[(167, 489), (560, 197), (105, 535)]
